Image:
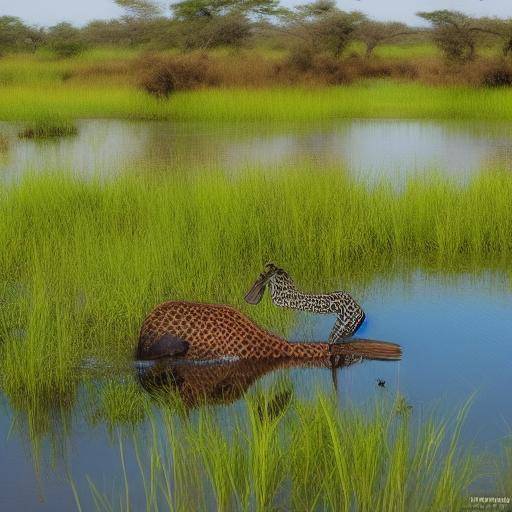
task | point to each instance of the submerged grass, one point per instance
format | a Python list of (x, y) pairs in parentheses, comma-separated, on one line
[(311, 456), (82, 262), (383, 99)]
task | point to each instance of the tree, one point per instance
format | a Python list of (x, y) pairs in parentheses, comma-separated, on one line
[(15, 35), (207, 23), (502, 29), (141, 9), (324, 27), (190, 9), (65, 40), (374, 33), (454, 33)]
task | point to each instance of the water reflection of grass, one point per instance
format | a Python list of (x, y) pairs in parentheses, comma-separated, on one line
[(308, 456), (81, 263)]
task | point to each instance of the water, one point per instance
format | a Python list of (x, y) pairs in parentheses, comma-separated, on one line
[(455, 331), (372, 149), (456, 338)]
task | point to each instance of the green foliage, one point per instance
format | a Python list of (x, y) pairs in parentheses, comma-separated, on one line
[(15, 35), (366, 100), (323, 26), (82, 262), (190, 9), (48, 126), (375, 33), (65, 40), (312, 457), (454, 33), (144, 9)]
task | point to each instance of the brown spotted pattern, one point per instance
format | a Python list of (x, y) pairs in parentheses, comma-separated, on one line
[(214, 331)]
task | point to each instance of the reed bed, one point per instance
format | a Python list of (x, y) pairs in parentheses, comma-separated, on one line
[(373, 99), (306, 456), (49, 126), (82, 262)]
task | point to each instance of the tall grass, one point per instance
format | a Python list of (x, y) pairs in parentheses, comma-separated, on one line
[(48, 126), (364, 100), (310, 456), (82, 262)]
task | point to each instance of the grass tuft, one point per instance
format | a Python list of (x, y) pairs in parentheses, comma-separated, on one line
[(46, 127), (311, 457)]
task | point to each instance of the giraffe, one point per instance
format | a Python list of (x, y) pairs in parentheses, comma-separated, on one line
[(284, 293), (196, 331)]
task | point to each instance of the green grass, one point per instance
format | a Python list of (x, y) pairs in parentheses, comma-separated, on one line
[(47, 127), (311, 456), (366, 100), (82, 262)]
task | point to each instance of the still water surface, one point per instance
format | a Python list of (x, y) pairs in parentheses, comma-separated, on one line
[(456, 335), (371, 149)]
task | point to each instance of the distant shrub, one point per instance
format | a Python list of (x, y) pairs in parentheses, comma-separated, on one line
[(497, 75), (161, 76), (301, 58), (380, 68), (331, 70)]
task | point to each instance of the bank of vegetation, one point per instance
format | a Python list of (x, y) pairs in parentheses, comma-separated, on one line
[(82, 262)]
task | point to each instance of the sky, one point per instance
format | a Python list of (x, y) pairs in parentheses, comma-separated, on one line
[(79, 12)]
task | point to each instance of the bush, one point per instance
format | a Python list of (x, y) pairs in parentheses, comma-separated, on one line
[(497, 75), (161, 76), (301, 58), (332, 70)]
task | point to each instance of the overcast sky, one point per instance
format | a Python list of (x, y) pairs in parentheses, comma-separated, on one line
[(48, 12)]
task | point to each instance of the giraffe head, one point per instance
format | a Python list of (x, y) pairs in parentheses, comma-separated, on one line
[(255, 294)]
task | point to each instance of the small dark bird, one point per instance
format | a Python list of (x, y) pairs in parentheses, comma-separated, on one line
[(381, 383)]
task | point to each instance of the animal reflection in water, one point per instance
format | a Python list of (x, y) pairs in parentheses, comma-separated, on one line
[(212, 353), (349, 314), (224, 382)]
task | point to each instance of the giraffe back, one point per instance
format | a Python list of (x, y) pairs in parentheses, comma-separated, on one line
[(211, 331)]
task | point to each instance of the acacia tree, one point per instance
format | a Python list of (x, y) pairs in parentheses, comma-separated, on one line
[(206, 23), (140, 9), (65, 40), (374, 33), (502, 29), (455, 34), (15, 35), (324, 27)]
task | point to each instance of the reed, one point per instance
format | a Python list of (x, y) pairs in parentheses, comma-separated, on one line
[(82, 262), (48, 127), (310, 456), (370, 99)]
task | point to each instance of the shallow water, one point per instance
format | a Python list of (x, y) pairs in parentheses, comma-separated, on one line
[(372, 149), (456, 338)]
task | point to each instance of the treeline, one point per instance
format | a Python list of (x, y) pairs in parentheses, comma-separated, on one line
[(319, 27)]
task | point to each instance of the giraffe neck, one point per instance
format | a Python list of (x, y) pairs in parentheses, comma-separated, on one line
[(282, 287)]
